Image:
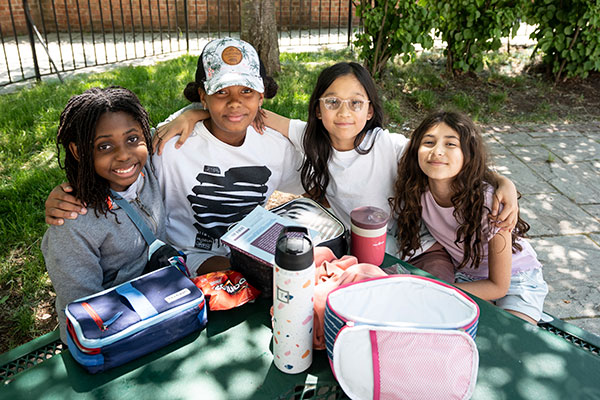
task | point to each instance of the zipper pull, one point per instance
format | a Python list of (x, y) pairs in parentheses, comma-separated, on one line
[(145, 210), (110, 321), (142, 206)]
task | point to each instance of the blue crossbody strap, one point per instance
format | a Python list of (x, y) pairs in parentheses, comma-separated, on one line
[(138, 301), (149, 237)]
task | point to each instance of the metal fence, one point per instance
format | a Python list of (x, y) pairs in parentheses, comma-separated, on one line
[(49, 37)]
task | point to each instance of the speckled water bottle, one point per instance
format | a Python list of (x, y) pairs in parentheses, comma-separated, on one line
[(293, 290)]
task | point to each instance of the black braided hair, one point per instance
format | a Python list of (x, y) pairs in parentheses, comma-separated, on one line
[(78, 125)]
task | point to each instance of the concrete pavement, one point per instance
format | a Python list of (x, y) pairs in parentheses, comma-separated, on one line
[(557, 170)]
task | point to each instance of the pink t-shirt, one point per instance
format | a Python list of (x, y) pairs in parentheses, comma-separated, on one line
[(443, 226)]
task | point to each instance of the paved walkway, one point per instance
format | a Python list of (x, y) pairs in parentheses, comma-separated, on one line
[(557, 170)]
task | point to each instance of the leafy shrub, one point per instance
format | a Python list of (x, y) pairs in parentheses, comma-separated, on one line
[(568, 34), (471, 28), (391, 28)]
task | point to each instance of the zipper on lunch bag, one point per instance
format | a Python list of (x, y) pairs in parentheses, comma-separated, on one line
[(101, 324)]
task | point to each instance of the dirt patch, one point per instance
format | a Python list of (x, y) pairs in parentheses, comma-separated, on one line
[(522, 92), (35, 320)]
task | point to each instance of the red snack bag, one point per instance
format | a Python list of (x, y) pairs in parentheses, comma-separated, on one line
[(225, 289)]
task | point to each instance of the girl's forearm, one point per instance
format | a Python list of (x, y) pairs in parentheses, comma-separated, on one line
[(484, 289), (277, 122), (508, 196), (506, 186), (500, 266), (194, 115)]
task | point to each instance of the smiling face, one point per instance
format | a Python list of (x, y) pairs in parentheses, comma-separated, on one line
[(232, 110), (120, 150), (440, 154), (344, 124)]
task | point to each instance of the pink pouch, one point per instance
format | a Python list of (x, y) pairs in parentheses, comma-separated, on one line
[(402, 337)]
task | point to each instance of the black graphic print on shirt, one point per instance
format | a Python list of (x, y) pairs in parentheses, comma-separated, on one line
[(220, 200)]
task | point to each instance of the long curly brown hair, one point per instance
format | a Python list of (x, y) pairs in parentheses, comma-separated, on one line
[(468, 188)]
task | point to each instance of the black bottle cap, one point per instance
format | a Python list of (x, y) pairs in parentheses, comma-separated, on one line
[(294, 249)]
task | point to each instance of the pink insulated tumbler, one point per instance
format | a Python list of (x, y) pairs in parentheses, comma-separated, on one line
[(368, 231)]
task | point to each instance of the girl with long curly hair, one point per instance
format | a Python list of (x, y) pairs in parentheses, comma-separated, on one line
[(444, 181)]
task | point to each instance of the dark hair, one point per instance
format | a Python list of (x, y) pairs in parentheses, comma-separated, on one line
[(78, 125), (468, 188), (191, 90), (317, 141)]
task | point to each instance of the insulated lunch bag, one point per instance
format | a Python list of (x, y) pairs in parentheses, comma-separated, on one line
[(125, 322), (310, 214), (301, 211), (402, 337)]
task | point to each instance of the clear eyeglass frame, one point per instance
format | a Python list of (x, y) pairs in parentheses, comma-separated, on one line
[(334, 103)]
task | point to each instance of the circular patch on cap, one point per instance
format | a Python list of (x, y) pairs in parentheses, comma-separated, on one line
[(232, 55)]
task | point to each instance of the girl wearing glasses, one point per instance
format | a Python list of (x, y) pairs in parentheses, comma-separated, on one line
[(349, 159)]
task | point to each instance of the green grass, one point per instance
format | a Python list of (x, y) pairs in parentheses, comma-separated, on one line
[(29, 119), (496, 100), (465, 103), (29, 170), (425, 99)]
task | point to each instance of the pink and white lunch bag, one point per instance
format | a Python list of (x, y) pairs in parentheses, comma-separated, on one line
[(402, 337)]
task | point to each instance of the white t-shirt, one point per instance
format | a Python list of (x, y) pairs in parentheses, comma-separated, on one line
[(359, 179), (364, 179), (207, 185)]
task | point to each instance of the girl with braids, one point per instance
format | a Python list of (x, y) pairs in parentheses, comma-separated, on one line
[(105, 135), (227, 168), (349, 159), (444, 180)]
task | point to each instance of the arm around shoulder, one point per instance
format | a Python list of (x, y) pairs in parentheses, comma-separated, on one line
[(507, 195), (180, 123), (61, 205), (276, 122)]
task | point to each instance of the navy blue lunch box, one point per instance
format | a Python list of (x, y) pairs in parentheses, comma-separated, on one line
[(117, 325)]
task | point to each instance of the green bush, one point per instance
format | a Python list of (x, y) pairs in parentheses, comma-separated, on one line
[(568, 35), (391, 28), (471, 28)]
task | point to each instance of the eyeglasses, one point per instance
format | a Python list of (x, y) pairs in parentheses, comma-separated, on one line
[(333, 103)]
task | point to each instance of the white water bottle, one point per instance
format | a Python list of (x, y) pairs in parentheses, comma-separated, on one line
[(293, 290)]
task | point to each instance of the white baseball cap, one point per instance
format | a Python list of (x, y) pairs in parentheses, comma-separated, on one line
[(229, 62)]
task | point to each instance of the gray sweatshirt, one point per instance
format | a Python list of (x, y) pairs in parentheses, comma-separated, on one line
[(89, 254)]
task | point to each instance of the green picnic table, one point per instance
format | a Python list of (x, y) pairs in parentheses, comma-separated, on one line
[(232, 359)]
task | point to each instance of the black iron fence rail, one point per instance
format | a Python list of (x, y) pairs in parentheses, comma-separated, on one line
[(64, 36)]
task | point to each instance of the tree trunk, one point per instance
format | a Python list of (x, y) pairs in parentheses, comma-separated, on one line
[(259, 28)]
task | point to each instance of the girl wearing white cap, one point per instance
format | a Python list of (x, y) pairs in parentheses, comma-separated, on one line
[(226, 169)]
